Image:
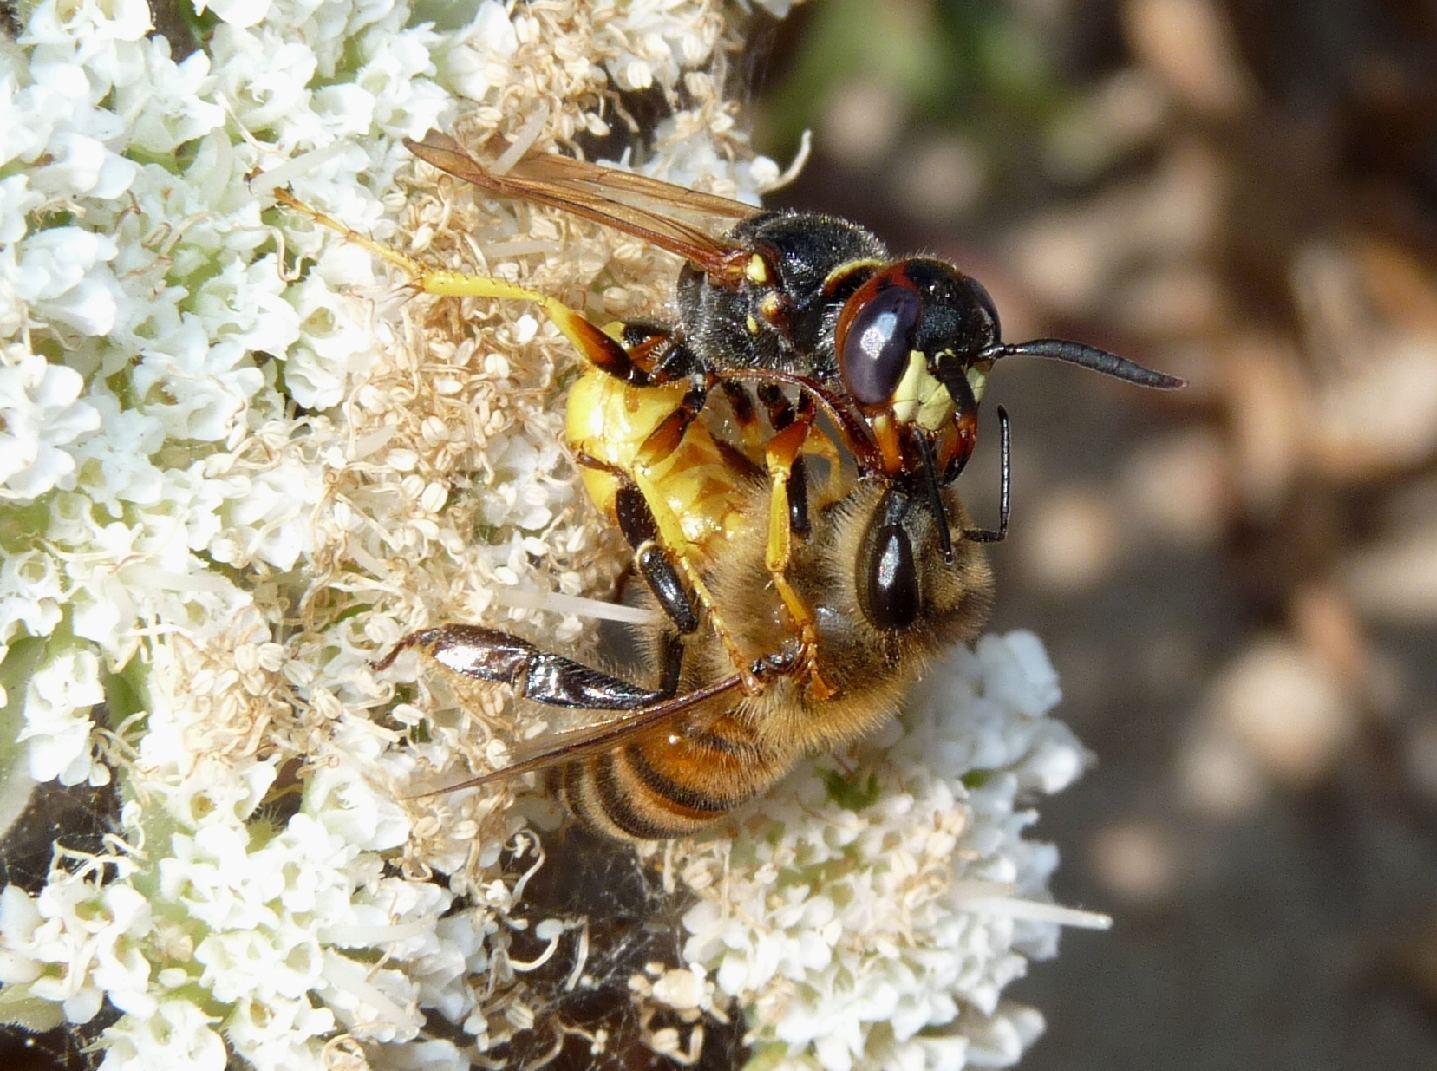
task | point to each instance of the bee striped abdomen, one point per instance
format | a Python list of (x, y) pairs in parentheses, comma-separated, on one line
[(668, 785)]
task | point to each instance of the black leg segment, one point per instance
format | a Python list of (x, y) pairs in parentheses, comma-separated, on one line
[(653, 562), (490, 655)]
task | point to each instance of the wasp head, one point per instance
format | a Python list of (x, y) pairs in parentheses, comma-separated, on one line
[(910, 343), (915, 342)]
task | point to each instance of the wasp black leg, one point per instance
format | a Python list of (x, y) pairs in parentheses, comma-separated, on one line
[(490, 655)]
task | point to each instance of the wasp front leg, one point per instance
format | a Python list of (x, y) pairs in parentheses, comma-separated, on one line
[(787, 518)]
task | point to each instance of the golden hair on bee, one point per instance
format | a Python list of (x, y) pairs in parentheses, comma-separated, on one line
[(696, 746)]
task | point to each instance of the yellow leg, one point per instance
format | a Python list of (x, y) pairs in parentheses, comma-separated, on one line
[(592, 342), (783, 448)]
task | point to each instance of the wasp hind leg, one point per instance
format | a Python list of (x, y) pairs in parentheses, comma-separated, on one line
[(606, 351), (490, 655)]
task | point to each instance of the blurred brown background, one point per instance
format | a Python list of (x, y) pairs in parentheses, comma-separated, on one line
[(1238, 583)]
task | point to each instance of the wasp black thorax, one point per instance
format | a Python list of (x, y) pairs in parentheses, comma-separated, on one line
[(782, 317)]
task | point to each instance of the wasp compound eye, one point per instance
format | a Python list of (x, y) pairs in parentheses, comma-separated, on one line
[(874, 342)]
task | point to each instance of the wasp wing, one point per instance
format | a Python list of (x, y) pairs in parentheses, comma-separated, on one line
[(556, 749), (629, 185), (611, 198)]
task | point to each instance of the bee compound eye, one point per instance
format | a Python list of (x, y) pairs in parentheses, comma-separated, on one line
[(875, 339), (891, 584)]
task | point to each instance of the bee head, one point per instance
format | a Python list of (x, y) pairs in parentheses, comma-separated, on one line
[(905, 581)]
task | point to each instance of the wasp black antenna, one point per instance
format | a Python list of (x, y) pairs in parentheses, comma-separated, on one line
[(1108, 364), (1005, 488)]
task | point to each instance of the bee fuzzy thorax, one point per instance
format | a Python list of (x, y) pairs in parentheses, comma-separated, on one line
[(870, 666)]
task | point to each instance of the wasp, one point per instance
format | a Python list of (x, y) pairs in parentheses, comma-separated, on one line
[(896, 351)]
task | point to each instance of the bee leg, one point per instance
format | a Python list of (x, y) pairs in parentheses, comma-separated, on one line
[(490, 655), (787, 517), (595, 345)]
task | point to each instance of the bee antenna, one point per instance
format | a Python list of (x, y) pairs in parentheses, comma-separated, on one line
[(1109, 364), (935, 498)]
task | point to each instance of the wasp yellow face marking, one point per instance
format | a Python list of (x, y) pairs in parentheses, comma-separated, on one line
[(769, 306), (978, 378), (919, 398), (757, 270), (752, 326)]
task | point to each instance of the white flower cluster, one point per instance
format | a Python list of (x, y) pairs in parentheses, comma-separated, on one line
[(234, 467), (872, 918), (230, 476)]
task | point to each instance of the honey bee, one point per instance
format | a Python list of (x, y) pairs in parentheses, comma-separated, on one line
[(689, 747)]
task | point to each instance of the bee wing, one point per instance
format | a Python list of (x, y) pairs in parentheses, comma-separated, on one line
[(633, 204), (558, 748)]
